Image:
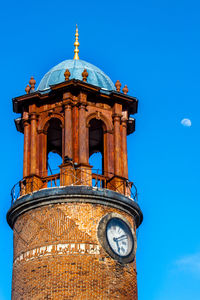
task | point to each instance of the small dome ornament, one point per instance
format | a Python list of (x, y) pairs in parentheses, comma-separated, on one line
[(32, 83), (118, 85), (76, 44), (85, 75), (125, 89), (67, 74), (27, 89)]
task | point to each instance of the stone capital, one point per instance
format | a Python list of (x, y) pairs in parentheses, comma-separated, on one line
[(116, 117), (82, 97), (33, 116)]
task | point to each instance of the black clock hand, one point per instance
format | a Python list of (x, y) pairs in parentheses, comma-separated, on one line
[(116, 241), (123, 237)]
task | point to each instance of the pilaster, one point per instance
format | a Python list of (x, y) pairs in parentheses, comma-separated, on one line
[(124, 145), (83, 155), (33, 152), (26, 166), (68, 147)]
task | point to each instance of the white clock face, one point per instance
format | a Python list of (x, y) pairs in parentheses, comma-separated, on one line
[(119, 237)]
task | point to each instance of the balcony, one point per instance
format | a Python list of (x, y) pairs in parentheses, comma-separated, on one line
[(71, 175)]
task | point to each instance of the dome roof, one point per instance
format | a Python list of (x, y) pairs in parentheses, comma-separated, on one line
[(76, 67)]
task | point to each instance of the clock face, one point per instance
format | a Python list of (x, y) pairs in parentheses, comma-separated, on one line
[(119, 237)]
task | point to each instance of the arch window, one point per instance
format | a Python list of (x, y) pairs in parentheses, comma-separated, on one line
[(95, 160), (96, 145), (54, 149), (96, 152), (54, 136), (54, 160)]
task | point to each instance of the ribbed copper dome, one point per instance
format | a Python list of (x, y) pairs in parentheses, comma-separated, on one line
[(76, 67)]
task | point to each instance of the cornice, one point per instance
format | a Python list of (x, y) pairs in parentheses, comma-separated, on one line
[(78, 194), (75, 87)]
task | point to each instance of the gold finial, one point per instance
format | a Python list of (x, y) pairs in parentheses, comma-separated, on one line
[(76, 44)]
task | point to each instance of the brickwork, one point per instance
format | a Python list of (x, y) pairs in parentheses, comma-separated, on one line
[(57, 255)]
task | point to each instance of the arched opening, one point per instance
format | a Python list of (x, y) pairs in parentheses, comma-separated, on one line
[(54, 136), (54, 150), (96, 146), (95, 160), (54, 160)]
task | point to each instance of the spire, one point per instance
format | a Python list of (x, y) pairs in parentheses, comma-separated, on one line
[(76, 44)]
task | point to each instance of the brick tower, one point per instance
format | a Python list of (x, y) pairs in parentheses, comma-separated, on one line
[(74, 230)]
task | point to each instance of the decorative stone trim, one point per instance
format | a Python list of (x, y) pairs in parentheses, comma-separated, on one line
[(59, 249)]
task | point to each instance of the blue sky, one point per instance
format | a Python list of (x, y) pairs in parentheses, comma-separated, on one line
[(153, 47)]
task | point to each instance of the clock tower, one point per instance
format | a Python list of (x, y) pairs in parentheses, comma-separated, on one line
[(75, 228)]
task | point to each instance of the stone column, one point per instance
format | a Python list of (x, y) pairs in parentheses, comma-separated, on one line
[(75, 132), (124, 149), (83, 173), (117, 147), (33, 153), (82, 135), (109, 154), (33, 182), (43, 153), (68, 151), (67, 173), (117, 182), (26, 167)]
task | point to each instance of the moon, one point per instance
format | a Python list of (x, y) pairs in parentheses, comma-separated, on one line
[(186, 122)]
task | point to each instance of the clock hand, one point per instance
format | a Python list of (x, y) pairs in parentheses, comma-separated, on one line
[(123, 237), (116, 241)]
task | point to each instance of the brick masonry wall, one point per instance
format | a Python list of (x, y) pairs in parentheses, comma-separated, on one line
[(57, 255)]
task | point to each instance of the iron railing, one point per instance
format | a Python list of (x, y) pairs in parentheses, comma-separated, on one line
[(100, 181)]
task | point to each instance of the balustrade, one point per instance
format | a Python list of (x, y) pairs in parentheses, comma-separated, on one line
[(73, 176)]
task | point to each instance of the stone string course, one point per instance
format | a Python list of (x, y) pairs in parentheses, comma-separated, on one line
[(60, 249)]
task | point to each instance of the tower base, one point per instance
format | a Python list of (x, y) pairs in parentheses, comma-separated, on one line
[(57, 252)]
